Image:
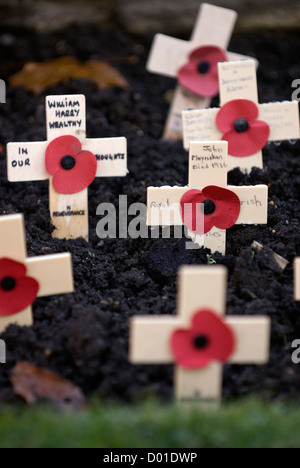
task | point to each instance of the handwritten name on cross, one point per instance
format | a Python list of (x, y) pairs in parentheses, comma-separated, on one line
[(207, 167), (18, 274), (188, 339), (214, 27), (238, 82), (66, 132)]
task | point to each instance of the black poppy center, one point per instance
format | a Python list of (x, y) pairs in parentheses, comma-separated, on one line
[(241, 125), (68, 162), (208, 207), (203, 67), (201, 341), (8, 283)]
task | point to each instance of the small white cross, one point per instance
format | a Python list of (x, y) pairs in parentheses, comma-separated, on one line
[(53, 273), (207, 167), (66, 116), (297, 279), (200, 288), (238, 81), (214, 27)]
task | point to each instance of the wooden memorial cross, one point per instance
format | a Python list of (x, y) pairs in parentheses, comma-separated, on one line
[(199, 339), (247, 125), (297, 279), (69, 161), (207, 207), (213, 28), (23, 279)]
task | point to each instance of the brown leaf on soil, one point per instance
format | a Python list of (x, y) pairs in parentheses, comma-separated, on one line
[(37, 77), (33, 384)]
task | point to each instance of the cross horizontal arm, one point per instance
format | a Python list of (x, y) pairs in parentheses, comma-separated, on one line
[(111, 154), (26, 161), (253, 339), (254, 203), (163, 205), (282, 118), (12, 238), (168, 55), (200, 125), (150, 338), (54, 274)]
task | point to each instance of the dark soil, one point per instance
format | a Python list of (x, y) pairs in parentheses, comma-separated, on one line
[(84, 336)]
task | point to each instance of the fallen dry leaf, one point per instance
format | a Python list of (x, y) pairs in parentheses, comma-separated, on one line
[(37, 77), (33, 384)]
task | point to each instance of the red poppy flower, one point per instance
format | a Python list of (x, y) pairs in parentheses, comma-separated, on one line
[(212, 207), (245, 134), (200, 74), (17, 291), (209, 340), (73, 170)]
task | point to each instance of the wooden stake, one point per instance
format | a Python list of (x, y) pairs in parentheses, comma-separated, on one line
[(207, 166), (66, 115), (53, 273), (213, 27), (199, 288)]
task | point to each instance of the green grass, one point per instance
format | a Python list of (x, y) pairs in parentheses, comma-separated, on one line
[(152, 425)]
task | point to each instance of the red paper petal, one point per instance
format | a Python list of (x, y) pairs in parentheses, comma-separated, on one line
[(62, 146), (11, 268), (192, 215), (226, 213), (78, 178), (234, 110), (211, 54), (228, 206), (24, 293), (185, 353), (221, 342), (222, 338), (207, 84), (250, 142)]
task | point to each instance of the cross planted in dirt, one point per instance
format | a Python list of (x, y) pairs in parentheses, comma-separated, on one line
[(213, 28), (208, 206), (241, 121), (199, 340), (23, 279), (70, 162)]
